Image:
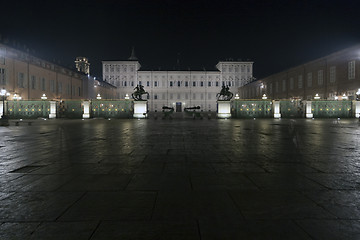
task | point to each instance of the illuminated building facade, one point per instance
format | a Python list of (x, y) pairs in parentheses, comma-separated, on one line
[(332, 77), (175, 88)]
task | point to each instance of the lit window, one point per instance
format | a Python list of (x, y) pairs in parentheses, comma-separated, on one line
[(300, 81), (320, 77), (351, 70), (332, 74)]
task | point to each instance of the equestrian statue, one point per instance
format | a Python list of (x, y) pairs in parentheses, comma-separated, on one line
[(139, 91), (224, 94)]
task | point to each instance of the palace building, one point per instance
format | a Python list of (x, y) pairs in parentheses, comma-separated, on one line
[(176, 88), (333, 77)]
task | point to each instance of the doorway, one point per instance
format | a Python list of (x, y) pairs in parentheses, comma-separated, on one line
[(178, 107)]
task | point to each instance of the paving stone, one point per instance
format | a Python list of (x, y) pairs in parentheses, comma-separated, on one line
[(147, 230), (64, 230), (331, 229), (124, 205), (17, 230)]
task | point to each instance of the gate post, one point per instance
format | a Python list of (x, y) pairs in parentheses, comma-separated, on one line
[(276, 105), (52, 109), (86, 108), (308, 111)]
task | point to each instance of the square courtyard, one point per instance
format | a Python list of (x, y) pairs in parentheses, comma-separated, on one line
[(180, 179)]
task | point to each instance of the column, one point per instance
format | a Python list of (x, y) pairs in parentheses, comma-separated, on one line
[(308, 110), (86, 109), (52, 109), (276, 106)]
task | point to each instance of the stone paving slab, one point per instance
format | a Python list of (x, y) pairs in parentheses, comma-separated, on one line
[(180, 179)]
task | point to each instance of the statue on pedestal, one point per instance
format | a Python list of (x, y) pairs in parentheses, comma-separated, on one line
[(225, 94), (139, 91)]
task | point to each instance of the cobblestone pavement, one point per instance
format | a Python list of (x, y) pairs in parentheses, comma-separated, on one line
[(180, 179)]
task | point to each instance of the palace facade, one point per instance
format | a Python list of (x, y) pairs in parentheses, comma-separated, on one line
[(332, 77), (178, 89)]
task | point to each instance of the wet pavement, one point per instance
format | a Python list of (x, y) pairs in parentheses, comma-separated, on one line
[(180, 179)]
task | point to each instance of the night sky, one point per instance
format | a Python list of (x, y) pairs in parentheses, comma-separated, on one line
[(274, 34)]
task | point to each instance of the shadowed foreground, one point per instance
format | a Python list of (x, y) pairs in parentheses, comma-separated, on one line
[(180, 179)]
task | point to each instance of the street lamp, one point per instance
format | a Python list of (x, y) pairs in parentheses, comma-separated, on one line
[(264, 96), (43, 97), (237, 96), (4, 94), (317, 97), (344, 97), (16, 97), (98, 97)]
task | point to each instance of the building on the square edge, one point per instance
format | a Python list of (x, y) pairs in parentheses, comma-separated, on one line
[(177, 88), (332, 77), (29, 77)]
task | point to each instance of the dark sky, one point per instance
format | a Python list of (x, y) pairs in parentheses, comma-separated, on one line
[(274, 34)]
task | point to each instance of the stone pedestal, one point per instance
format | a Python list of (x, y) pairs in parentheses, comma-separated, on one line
[(308, 110), (52, 109), (1, 109), (224, 109), (86, 109), (140, 109), (276, 105), (357, 109)]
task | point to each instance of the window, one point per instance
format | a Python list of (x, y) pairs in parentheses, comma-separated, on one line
[(291, 83), (283, 85), (309, 80), (2, 76), (21, 80), (201, 84), (155, 96), (60, 87), (186, 84), (332, 74), (140, 83), (155, 83), (300, 81), (320, 77), (171, 83), (179, 83), (132, 83), (351, 70), (43, 84), (33, 82), (2, 55), (148, 83), (194, 84), (52, 85), (223, 83), (125, 83), (209, 84), (217, 83)]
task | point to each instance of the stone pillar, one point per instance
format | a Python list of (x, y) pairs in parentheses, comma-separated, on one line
[(357, 109), (52, 109), (224, 109), (86, 109), (140, 109), (1, 108), (308, 110), (276, 106)]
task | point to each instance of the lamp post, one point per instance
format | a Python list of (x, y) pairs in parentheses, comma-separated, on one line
[(4, 94), (98, 97), (43, 97)]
